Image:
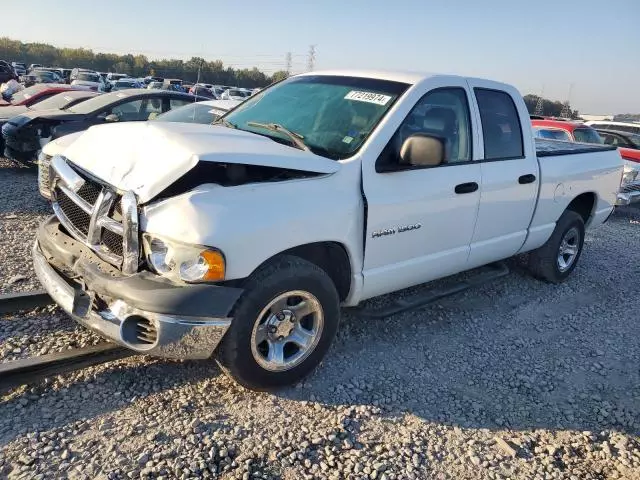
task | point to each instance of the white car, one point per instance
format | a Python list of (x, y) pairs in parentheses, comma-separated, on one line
[(244, 239), (89, 79), (630, 127), (234, 94)]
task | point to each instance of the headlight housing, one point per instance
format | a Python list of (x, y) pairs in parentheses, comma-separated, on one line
[(628, 175), (181, 262)]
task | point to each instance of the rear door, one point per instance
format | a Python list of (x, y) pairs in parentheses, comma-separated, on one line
[(510, 173), (420, 220)]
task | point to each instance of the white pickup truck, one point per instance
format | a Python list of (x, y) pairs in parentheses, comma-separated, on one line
[(243, 239)]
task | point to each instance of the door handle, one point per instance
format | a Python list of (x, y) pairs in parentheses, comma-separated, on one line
[(466, 187), (529, 178)]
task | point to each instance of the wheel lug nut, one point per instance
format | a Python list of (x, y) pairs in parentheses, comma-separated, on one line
[(280, 316), (272, 329)]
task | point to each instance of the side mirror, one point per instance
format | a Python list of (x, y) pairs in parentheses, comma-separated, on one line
[(112, 117), (422, 150)]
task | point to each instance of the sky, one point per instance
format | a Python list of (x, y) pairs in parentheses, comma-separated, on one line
[(588, 49)]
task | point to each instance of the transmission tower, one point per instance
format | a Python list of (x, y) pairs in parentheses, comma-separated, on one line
[(566, 107), (288, 63), (311, 60), (539, 110)]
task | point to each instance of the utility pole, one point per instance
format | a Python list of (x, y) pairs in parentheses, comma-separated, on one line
[(311, 60), (288, 63)]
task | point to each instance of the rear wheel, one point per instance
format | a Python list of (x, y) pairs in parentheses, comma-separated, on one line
[(282, 325), (557, 258)]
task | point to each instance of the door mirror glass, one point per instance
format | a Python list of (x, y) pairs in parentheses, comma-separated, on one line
[(422, 150), (112, 117)]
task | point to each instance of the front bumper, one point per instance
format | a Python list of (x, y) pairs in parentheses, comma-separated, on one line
[(20, 143), (629, 193), (142, 311)]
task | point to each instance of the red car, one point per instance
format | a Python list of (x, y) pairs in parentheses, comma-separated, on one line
[(36, 93), (565, 130)]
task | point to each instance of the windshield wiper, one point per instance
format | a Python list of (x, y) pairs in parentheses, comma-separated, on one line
[(223, 121), (296, 138)]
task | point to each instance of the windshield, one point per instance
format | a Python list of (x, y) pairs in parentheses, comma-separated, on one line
[(586, 135), (549, 134), (96, 103), (192, 113), (26, 94), (59, 101), (334, 115), (88, 77), (125, 83)]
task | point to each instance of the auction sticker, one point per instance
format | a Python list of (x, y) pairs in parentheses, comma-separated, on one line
[(368, 97)]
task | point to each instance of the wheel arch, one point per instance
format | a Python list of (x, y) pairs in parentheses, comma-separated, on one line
[(584, 205), (332, 257)]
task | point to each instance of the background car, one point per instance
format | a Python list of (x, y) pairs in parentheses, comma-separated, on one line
[(41, 76), (27, 133), (629, 127), (6, 72), (114, 77), (202, 91), (628, 145), (154, 85), (199, 112), (37, 93), (576, 131), (87, 78), (124, 84), (61, 101), (234, 94), (19, 68)]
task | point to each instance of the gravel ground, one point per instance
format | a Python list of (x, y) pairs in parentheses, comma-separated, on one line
[(21, 211), (514, 379)]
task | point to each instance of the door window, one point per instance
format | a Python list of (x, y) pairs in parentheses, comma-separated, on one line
[(500, 125), (127, 111), (441, 113)]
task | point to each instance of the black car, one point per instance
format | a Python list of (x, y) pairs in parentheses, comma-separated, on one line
[(61, 101), (620, 139), (6, 72), (27, 133)]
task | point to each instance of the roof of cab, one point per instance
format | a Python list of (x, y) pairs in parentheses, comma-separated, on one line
[(394, 76)]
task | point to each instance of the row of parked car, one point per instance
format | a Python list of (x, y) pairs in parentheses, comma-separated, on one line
[(39, 114), (107, 82), (623, 135)]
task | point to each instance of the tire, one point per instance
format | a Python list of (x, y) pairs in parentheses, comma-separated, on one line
[(545, 263), (247, 361)]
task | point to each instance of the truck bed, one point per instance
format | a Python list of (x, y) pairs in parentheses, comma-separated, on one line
[(547, 148)]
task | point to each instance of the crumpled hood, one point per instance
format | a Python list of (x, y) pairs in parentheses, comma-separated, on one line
[(147, 157)]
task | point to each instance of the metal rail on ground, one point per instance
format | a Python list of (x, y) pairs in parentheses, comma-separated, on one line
[(13, 302), (34, 369)]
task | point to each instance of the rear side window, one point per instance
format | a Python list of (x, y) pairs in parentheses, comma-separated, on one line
[(500, 125), (586, 135)]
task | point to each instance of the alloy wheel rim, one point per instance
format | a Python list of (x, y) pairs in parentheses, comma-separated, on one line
[(568, 251), (287, 331)]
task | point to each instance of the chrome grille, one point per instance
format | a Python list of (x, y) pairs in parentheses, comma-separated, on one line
[(95, 214), (631, 187), (78, 217)]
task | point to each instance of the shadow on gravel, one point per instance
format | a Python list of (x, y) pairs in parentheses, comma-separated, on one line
[(114, 387), (19, 193), (515, 354)]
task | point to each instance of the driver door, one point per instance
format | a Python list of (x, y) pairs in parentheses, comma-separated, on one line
[(420, 220)]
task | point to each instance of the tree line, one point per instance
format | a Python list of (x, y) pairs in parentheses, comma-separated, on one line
[(550, 108), (213, 72)]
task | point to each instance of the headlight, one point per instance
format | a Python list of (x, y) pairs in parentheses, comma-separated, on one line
[(181, 262), (628, 175)]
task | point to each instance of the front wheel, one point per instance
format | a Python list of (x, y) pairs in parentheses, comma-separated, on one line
[(557, 258), (282, 325)]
